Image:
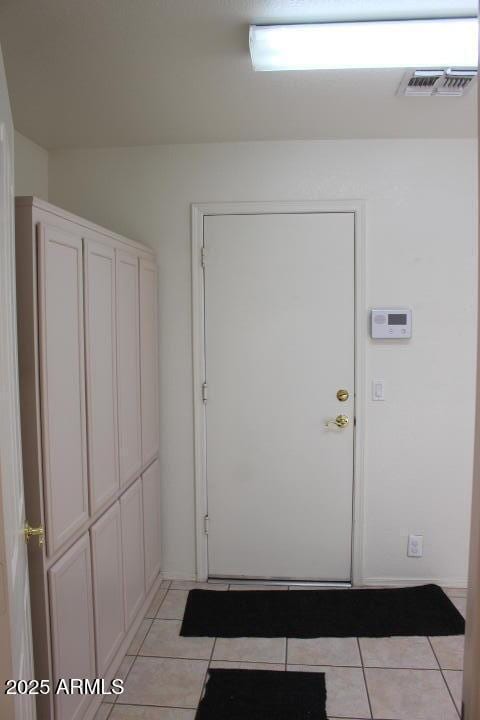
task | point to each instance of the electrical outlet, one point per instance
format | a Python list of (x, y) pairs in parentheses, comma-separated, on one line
[(415, 546)]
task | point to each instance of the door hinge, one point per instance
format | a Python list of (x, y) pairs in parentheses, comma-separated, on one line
[(204, 255), (204, 392), (206, 521)]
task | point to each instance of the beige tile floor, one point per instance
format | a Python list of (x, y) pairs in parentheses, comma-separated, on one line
[(416, 678)]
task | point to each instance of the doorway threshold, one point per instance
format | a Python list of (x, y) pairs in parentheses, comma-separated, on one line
[(276, 582)]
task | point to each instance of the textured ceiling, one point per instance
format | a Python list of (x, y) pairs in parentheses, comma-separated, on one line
[(139, 72)]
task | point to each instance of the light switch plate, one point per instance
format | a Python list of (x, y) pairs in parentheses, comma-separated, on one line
[(378, 390)]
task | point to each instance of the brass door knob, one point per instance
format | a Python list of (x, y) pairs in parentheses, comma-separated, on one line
[(30, 532), (342, 395), (341, 421)]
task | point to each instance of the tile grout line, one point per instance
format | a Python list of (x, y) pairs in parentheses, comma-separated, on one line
[(161, 601), (144, 638), (444, 678), (136, 655), (168, 707), (206, 672), (206, 659), (133, 661), (162, 707), (140, 646), (367, 667), (109, 711), (295, 664), (112, 704), (365, 678), (179, 707)]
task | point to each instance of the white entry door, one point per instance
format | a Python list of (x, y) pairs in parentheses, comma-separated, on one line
[(279, 345)]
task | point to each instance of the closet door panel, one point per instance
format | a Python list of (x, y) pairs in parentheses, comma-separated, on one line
[(149, 359), (151, 519), (133, 550), (128, 366), (100, 340), (62, 382), (71, 609), (108, 586)]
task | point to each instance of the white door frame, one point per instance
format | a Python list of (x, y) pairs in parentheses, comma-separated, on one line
[(198, 213), (17, 610)]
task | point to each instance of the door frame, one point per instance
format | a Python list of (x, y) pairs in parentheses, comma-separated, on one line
[(198, 212), (471, 687), (14, 615)]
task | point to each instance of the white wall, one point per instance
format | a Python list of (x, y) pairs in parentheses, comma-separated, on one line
[(421, 235), (31, 168)]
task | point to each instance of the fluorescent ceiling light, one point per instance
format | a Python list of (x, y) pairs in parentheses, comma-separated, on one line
[(386, 44)]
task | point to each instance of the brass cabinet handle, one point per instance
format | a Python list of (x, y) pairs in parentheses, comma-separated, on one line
[(30, 532), (341, 421)]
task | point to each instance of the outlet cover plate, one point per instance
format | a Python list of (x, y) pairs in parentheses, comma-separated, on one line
[(415, 546)]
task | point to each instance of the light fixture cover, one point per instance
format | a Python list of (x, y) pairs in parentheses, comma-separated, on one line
[(451, 42)]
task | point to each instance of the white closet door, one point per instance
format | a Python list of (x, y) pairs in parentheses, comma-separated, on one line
[(71, 607), (100, 340), (128, 366), (62, 382), (133, 550), (108, 586), (149, 359), (151, 519)]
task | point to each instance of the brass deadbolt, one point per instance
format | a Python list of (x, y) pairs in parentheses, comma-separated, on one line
[(342, 395)]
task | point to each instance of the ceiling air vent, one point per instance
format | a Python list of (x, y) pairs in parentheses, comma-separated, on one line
[(436, 82), (456, 82)]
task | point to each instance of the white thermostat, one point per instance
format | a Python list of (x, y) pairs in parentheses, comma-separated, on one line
[(391, 323)]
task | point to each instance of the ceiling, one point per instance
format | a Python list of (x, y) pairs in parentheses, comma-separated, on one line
[(98, 73)]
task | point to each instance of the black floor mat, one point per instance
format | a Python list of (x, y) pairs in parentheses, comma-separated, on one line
[(263, 695), (424, 610)]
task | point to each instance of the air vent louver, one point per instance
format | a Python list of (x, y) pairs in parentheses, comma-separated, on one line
[(436, 82), (455, 82)]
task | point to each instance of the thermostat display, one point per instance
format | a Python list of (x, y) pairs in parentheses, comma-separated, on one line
[(397, 319), (391, 323)]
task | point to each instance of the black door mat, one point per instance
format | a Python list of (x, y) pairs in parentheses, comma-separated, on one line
[(424, 610), (263, 695)]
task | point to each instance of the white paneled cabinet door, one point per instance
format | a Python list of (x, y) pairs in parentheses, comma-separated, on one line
[(133, 549), (108, 586), (149, 359), (128, 366), (71, 607), (100, 354), (62, 382), (151, 519)]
